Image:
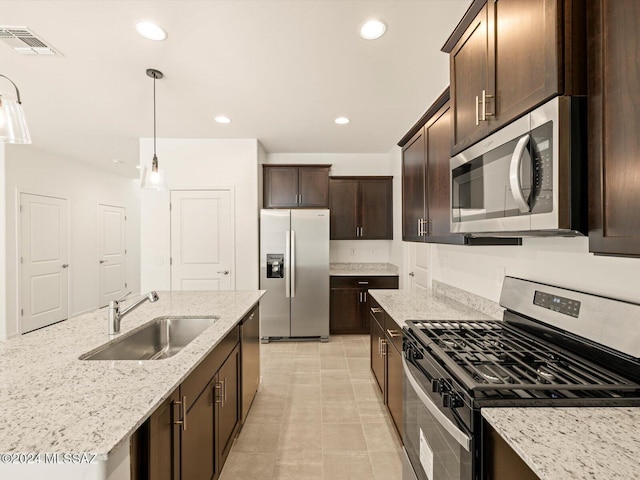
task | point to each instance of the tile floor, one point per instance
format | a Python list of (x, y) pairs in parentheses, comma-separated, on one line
[(318, 415)]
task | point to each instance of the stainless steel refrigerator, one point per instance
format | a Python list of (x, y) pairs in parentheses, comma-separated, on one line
[(294, 270)]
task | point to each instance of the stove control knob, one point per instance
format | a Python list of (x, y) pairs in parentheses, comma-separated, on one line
[(435, 385), (451, 400)]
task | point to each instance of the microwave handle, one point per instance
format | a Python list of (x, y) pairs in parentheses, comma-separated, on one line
[(514, 174)]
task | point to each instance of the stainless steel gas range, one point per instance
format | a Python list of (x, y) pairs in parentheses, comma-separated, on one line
[(554, 347)]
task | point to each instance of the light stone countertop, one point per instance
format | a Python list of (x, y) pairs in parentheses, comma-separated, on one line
[(362, 269), (571, 443), (403, 305), (51, 402)]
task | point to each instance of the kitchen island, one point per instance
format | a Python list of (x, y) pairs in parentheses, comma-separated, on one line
[(73, 418)]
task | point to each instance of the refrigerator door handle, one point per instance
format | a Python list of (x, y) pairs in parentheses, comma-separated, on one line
[(292, 262), (287, 264)]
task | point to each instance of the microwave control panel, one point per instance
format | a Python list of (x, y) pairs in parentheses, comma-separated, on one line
[(542, 154)]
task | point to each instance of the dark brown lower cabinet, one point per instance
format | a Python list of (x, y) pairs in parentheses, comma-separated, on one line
[(190, 435), (386, 360), (348, 302), (503, 463)]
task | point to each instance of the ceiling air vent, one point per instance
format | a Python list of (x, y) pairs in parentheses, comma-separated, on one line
[(25, 42)]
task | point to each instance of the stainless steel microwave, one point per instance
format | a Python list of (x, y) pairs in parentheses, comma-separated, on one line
[(527, 179)]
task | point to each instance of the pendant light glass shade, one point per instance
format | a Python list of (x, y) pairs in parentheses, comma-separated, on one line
[(153, 178), (13, 125)]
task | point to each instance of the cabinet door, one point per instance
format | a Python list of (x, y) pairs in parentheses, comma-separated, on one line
[(438, 134), (250, 359), (346, 311), (393, 392), (376, 209), (344, 209), (228, 412), (164, 441), (469, 66), (280, 187), (313, 187), (528, 56), (614, 120), (413, 187), (377, 360), (198, 454)]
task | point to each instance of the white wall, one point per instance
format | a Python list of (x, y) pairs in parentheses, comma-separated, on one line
[(30, 170), (200, 163), (344, 164), (3, 252), (560, 261)]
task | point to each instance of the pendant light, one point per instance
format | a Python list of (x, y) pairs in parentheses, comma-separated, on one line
[(13, 125), (154, 178)]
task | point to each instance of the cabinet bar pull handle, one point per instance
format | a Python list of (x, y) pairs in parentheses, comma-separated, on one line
[(477, 111), (484, 106), (393, 333), (363, 283), (376, 310), (217, 398), (384, 347), (183, 411), (380, 346), (365, 296), (224, 391)]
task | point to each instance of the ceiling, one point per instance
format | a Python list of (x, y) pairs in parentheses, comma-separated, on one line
[(282, 70)]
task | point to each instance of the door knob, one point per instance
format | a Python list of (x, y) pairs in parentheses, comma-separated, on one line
[(224, 272), (103, 261), (411, 274), (65, 265)]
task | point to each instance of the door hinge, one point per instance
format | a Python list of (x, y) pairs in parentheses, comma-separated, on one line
[(125, 284), (20, 207), (125, 251), (125, 218), (170, 206), (170, 260), (21, 260), (22, 312)]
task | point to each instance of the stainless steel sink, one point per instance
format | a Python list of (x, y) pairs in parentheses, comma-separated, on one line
[(159, 339)]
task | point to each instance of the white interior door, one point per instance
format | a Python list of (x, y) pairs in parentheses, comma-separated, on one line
[(44, 283), (202, 240), (418, 267), (112, 280)]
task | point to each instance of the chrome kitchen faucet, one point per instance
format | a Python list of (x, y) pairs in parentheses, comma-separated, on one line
[(115, 315)]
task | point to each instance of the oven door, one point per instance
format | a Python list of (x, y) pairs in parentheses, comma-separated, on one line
[(437, 448)]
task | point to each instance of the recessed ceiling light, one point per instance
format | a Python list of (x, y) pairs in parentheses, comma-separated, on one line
[(342, 120), (150, 30), (138, 167), (372, 29), (115, 161), (222, 119)]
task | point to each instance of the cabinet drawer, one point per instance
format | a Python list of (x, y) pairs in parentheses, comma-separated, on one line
[(364, 282), (196, 382), (393, 332)]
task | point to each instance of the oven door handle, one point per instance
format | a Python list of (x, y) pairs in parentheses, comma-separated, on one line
[(514, 174), (462, 438)]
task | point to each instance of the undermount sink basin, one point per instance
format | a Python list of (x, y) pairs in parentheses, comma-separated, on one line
[(162, 338)]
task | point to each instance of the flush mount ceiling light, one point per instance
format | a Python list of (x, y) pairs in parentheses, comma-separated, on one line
[(150, 30), (342, 120), (372, 29), (222, 119), (13, 125), (154, 178)]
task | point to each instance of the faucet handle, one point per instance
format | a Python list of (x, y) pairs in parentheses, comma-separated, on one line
[(123, 297)]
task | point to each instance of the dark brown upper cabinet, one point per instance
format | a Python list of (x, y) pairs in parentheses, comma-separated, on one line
[(361, 208), (509, 56), (426, 199), (614, 123), (296, 186)]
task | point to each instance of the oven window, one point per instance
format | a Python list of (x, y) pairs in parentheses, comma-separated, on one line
[(481, 188)]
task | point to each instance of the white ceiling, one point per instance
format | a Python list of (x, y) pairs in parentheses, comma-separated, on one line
[(282, 70)]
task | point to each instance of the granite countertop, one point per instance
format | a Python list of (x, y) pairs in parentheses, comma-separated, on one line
[(363, 269), (569, 443), (54, 403), (403, 305)]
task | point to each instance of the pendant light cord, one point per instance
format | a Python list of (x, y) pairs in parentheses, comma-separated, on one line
[(154, 116)]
